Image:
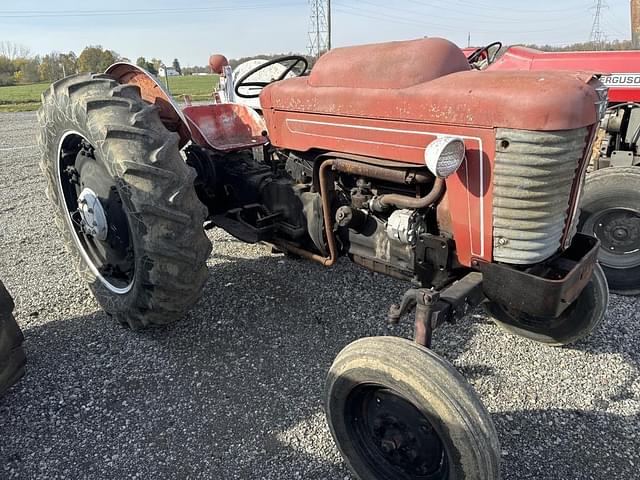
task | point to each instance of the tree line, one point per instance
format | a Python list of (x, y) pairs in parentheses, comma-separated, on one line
[(19, 66), (586, 46)]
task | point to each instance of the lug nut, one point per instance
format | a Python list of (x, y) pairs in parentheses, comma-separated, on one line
[(387, 446)]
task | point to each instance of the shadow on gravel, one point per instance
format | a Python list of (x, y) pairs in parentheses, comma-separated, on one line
[(618, 338), (235, 389)]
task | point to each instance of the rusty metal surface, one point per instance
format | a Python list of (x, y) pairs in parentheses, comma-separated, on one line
[(403, 201), (577, 189), (532, 184), (380, 162), (395, 175), (433, 308), (226, 127), (328, 224), (469, 98), (398, 123), (217, 63), (153, 92), (405, 142), (545, 290), (388, 65)]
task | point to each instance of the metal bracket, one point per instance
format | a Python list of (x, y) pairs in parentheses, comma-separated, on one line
[(433, 308)]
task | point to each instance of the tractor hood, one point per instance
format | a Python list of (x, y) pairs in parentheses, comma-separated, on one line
[(430, 81), (492, 99)]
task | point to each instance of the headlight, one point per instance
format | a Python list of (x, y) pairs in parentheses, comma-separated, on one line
[(444, 155)]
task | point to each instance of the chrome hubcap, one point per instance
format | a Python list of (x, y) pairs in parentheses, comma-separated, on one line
[(93, 218)]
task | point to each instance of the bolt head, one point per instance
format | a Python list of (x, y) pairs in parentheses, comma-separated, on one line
[(387, 446)]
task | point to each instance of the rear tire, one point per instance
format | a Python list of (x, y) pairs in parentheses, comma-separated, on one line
[(611, 212), (580, 318), (146, 260), (397, 411), (12, 357)]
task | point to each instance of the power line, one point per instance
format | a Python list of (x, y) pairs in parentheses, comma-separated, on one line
[(511, 9), (151, 11), (456, 14), (392, 18)]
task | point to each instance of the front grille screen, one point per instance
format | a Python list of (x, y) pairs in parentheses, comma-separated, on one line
[(533, 178)]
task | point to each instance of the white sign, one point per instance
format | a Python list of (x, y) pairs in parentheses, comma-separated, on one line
[(628, 80)]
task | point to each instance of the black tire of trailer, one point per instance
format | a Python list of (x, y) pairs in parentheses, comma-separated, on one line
[(429, 384), (577, 322), (12, 356), (614, 189), (155, 188)]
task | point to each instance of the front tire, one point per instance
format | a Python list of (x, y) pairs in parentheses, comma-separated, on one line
[(123, 198), (12, 357), (580, 318), (397, 411), (611, 212)]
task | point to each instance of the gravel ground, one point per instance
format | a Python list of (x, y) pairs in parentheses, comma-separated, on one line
[(233, 391)]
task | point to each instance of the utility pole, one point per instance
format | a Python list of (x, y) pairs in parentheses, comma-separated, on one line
[(597, 35), (328, 24), (635, 24), (319, 27)]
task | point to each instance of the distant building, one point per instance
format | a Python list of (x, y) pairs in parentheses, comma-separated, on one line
[(170, 72)]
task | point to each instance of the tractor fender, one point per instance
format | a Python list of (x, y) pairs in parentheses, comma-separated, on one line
[(154, 92)]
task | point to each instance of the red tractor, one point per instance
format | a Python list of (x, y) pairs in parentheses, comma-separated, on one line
[(611, 203), (399, 156)]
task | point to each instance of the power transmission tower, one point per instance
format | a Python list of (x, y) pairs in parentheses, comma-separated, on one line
[(597, 36), (319, 27)]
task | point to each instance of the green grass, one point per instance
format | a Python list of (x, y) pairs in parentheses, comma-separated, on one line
[(20, 98), (22, 93), (199, 87)]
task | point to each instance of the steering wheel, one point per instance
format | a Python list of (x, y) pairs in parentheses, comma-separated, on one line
[(243, 83), (485, 52)]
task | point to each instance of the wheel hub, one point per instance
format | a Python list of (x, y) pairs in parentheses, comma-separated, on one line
[(92, 215), (618, 230), (397, 437)]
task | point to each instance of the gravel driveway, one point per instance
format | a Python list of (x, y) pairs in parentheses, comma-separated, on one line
[(233, 391)]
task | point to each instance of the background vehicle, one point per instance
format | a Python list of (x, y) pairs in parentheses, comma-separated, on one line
[(418, 171), (611, 205), (12, 357)]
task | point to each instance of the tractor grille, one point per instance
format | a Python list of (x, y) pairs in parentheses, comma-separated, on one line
[(533, 178)]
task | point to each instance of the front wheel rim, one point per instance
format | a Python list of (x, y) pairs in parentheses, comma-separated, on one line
[(394, 437), (618, 230), (94, 213)]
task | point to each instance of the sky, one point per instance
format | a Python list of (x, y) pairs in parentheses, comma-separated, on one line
[(191, 30)]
